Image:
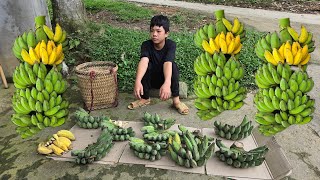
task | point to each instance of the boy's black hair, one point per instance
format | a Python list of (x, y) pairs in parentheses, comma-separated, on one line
[(160, 20)]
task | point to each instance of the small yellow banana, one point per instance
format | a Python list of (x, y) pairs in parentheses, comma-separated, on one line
[(277, 57), (229, 38), (288, 56), (294, 48), (237, 50), (223, 45), (281, 51), (48, 32), (57, 33), (304, 51), (297, 58), (65, 141), (33, 55), (59, 60), (26, 57), (236, 26), (207, 47), (231, 46), (37, 49), (49, 48), (67, 134), (58, 151), (269, 57), (213, 45), (216, 40), (306, 60), (59, 51), (42, 149), (44, 56), (303, 35), (43, 45), (53, 56)]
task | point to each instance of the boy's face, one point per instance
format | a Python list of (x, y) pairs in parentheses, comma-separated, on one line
[(158, 34)]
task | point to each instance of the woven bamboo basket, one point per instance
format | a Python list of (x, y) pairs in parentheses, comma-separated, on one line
[(98, 84)]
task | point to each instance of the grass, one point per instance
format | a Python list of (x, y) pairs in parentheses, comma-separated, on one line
[(102, 42), (123, 10)]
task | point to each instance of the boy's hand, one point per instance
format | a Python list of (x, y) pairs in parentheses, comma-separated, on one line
[(138, 90), (165, 91)]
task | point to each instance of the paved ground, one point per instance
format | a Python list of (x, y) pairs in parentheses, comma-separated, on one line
[(18, 158)]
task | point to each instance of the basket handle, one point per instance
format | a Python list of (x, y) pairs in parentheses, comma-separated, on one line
[(92, 75)]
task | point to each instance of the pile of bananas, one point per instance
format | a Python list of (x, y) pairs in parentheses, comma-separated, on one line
[(39, 84), (209, 32), (234, 132), (151, 134), (95, 151), (59, 143), (217, 85), (237, 157), (282, 99), (189, 150), (147, 151), (156, 121), (287, 46), (117, 130)]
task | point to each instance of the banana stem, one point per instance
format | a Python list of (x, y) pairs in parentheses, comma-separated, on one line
[(284, 22), (40, 20), (219, 14)]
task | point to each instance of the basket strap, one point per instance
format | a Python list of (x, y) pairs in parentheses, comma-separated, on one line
[(115, 103), (92, 77)]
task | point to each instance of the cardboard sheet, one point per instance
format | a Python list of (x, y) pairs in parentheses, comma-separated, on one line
[(216, 167)]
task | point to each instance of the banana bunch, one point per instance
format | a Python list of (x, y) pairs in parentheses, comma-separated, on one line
[(234, 132), (156, 121), (304, 38), (95, 151), (188, 150), (59, 144), (47, 53), (151, 134), (119, 133), (237, 157), (58, 36), (226, 43), (147, 151), (86, 121), (221, 25), (24, 42), (268, 43)]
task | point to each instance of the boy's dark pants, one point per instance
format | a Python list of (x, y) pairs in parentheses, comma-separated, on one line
[(154, 78)]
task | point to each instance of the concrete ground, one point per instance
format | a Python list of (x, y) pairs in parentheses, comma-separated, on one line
[(19, 160)]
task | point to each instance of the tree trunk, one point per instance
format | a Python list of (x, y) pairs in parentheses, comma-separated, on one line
[(70, 14)]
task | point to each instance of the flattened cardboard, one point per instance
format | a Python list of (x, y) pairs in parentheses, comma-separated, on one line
[(216, 167)]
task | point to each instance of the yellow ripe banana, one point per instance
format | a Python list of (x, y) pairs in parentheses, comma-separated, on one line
[(65, 141), (216, 40), (277, 57), (222, 36), (37, 49), (26, 57), (43, 45), (58, 151), (293, 33), (236, 26), (44, 56), (231, 46), (304, 51), (57, 33), (223, 45), (53, 56), (306, 60), (227, 24), (297, 58), (42, 149), (237, 50), (213, 45), (59, 60), (60, 145), (52, 44), (49, 48), (207, 47), (48, 32), (303, 35), (33, 55), (287, 45), (294, 48), (269, 57), (64, 37), (281, 51), (288, 56), (59, 51), (229, 38), (67, 134), (237, 42)]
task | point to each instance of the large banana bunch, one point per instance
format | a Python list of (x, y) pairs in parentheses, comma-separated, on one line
[(234, 133), (286, 104), (221, 25), (58, 144), (147, 151), (95, 151), (237, 157), (227, 44), (217, 85), (189, 150)]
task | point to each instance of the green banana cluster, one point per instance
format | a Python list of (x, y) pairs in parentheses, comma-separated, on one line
[(237, 157), (221, 24), (30, 39), (119, 133), (156, 121), (95, 151), (147, 151), (234, 133), (86, 121), (189, 150), (151, 134), (267, 43), (219, 89)]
